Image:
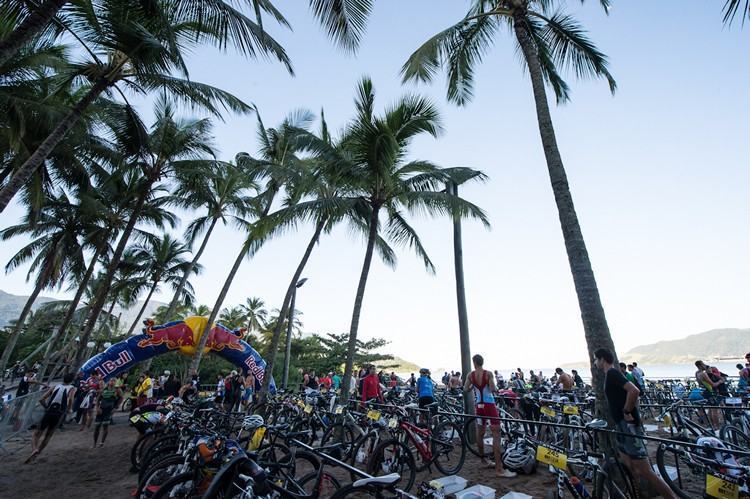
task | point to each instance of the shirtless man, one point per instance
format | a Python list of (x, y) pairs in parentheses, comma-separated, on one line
[(564, 379)]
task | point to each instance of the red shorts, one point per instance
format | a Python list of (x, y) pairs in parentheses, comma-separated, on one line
[(486, 411)]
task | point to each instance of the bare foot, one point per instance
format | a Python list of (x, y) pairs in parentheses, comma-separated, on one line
[(31, 457)]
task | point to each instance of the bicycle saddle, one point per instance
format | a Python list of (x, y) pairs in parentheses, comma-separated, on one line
[(597, 424), (385, 480)]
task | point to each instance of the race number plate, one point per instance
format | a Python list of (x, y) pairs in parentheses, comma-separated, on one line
[(339, 409), (257, 438), (547, 411), (721, 487), (393, 423), (550, 456), (374, 415), (300, 404), (308, 409), (570, 410)]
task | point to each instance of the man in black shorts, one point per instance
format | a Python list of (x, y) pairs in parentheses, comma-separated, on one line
[(622, 399), (57, 402)]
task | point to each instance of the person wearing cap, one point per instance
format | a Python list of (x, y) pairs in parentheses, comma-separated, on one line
[(425, 388)]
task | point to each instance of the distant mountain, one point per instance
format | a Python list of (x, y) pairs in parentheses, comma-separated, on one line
[(397, 364), (712, 345), (11, 306)]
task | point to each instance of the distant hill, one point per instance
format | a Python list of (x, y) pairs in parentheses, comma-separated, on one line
[(11, 306), (397, 364), (712, 345)]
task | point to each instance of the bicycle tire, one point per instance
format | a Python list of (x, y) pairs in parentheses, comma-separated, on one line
[(469, 434), (444, 435), (392, 456), (137, 449), (330, 436), (165, 490), (366, 491), (603, 488), (660, 464), (310, 478), (151, 477), (735, 436)]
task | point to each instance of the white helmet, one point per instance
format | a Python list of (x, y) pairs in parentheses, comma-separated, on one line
[(252, 422), (519, 457)]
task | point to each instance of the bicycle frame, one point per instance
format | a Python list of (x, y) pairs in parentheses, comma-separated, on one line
[(425, 434)]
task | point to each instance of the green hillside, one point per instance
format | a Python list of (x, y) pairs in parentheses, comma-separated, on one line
[(711, 345)]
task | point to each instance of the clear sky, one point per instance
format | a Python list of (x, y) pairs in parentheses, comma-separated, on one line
[(659, 174)]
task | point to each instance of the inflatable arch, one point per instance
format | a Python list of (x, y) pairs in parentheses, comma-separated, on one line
[(183, 336)]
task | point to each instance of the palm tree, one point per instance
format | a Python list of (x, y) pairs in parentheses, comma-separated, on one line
[(161, 260), (55, 252), (255, 313), (143, 43), (232, 318), (201, 310), (732, 7), (279, 165), (547, 40), (223, 192), (34, 18), (374, 171)]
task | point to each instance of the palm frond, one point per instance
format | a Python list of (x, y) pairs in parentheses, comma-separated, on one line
[(345, 21)]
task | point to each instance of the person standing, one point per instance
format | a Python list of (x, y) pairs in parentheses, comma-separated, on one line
[(336, 380), (482, 383), (577, 379), (25, 384), (56, 402), (219, 398), (171, 386), (564, 380), (622, 399), (248, 396), (371, 387), (412, 382), (105, 404)]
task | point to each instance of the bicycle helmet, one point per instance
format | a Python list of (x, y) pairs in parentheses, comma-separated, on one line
[(519, 457), (252, 422)]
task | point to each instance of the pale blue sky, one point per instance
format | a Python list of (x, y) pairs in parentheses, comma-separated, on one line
[(659, 174)]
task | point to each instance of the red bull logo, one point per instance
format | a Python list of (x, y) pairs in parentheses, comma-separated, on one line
[(220, 338), (174, 335), (110, 366)]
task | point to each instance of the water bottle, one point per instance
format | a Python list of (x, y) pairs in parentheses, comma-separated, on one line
[(580, 489)]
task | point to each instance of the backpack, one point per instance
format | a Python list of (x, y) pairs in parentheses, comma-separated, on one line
[(58, 407)]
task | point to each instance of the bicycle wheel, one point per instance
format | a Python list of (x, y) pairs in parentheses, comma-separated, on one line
[(179, 486), (326, 486), (675, 470), (363, 451), (448, 450), (393, 456), (605, 488), (137, 450), (155, 477), (469, 434), (735, 436), (331, 436)]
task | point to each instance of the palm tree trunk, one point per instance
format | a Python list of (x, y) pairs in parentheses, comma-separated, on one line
[(13, 339), (58, 335), (21, 177), (32, 25), (103, 291), (594, 321), (143, 308), (275, 339), (196, 360), (108, 317), (188, 271), (463, 316), (359, 298)]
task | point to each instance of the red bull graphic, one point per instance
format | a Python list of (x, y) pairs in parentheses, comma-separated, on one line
[(183, 336), (220, 338), (174, 335)]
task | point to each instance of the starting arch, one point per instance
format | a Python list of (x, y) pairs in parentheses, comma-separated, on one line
[(182, 336)]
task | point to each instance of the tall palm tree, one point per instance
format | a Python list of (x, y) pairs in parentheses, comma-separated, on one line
[(732, 7), (171, 146), (162, 260), (255, 313), (547, 39), (375, 172), (143, 44), (54, 252), (224, 193), (31, 19), (277, 165)]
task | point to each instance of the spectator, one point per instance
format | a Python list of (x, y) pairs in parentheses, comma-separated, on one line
[(25, 384), (393, 381), (412, 381), (171, 387), (336, 380), (325, 382), (220, 389), (247, 396), (371, 387), (577, 379)]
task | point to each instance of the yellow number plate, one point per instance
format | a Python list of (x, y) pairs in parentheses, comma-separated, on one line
[(257, 438), (339, 409), (667, 420), (308, 409), (548, 456), (374, 415), (300, 404), (393, 423), (548, 412), (571, 410), (720, 488)]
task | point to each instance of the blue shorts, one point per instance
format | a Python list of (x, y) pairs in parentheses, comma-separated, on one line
[(631, 446), (248, 394)]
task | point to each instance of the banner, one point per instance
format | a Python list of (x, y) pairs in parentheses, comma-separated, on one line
[(183, 336)]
